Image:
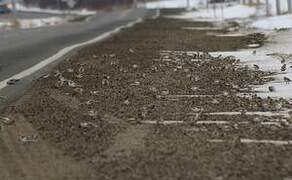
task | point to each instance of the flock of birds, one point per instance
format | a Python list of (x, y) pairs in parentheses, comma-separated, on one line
[(286, 79)]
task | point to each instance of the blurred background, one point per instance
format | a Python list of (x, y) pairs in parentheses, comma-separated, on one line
[(38, 13)]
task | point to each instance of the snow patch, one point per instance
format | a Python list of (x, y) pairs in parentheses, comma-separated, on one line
[(35, 23), (276, 22), (237, 11), (3, 24), (268, 58), (84, 12), (174, 4)]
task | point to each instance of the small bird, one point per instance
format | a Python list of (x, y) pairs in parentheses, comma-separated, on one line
[(254, 52), (278, 106), (256, 67), (287, 80), (12, 81), (219, 56), (201, 56), (282, 60), (284, 67), (272, 89)]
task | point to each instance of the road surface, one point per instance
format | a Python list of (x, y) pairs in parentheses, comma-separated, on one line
[(21, 49)]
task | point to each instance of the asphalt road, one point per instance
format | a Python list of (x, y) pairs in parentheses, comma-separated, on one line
[(21, 49)]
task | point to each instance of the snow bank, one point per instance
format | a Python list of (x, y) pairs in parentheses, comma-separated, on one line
[(272, 5), (280, 45), (4, 24), (174, 4), (35, 23), (84, 12), (202, 3), (228, 12), (266, 63), (275, 22)]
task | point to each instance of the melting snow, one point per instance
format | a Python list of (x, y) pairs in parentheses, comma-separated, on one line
[(20, 7), (229, 12), (34, 23), (4, 24), (275, 22), (279, 43), (173, 4)]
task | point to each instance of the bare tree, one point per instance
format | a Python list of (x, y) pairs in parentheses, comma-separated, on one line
[(135, 4), (15, 21), (278, 7), (188, 5), (207, 4), (267, 7), (59, 4), (289, 3)]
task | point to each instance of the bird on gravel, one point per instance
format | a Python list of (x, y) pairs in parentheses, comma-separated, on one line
[(198, 55), (254, 52), (219, 56), (256, 67), (272, 88), (282, 59), (278, 106), (284, 67), (201, 56), (287, 80)]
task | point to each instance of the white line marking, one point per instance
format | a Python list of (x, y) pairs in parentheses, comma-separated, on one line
[(227, 35), (212, 122), (202, 28), (271, 123), (63, 52), (190, 96), (255, 141), (267, 113), (163, 122), (242, 122), (157, 14), (207, 122), (216, 140), (275, 142)]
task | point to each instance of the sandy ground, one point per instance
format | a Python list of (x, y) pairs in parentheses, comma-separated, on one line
[(138, 106)]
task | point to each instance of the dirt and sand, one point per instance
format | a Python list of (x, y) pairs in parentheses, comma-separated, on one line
[(139, 106)]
